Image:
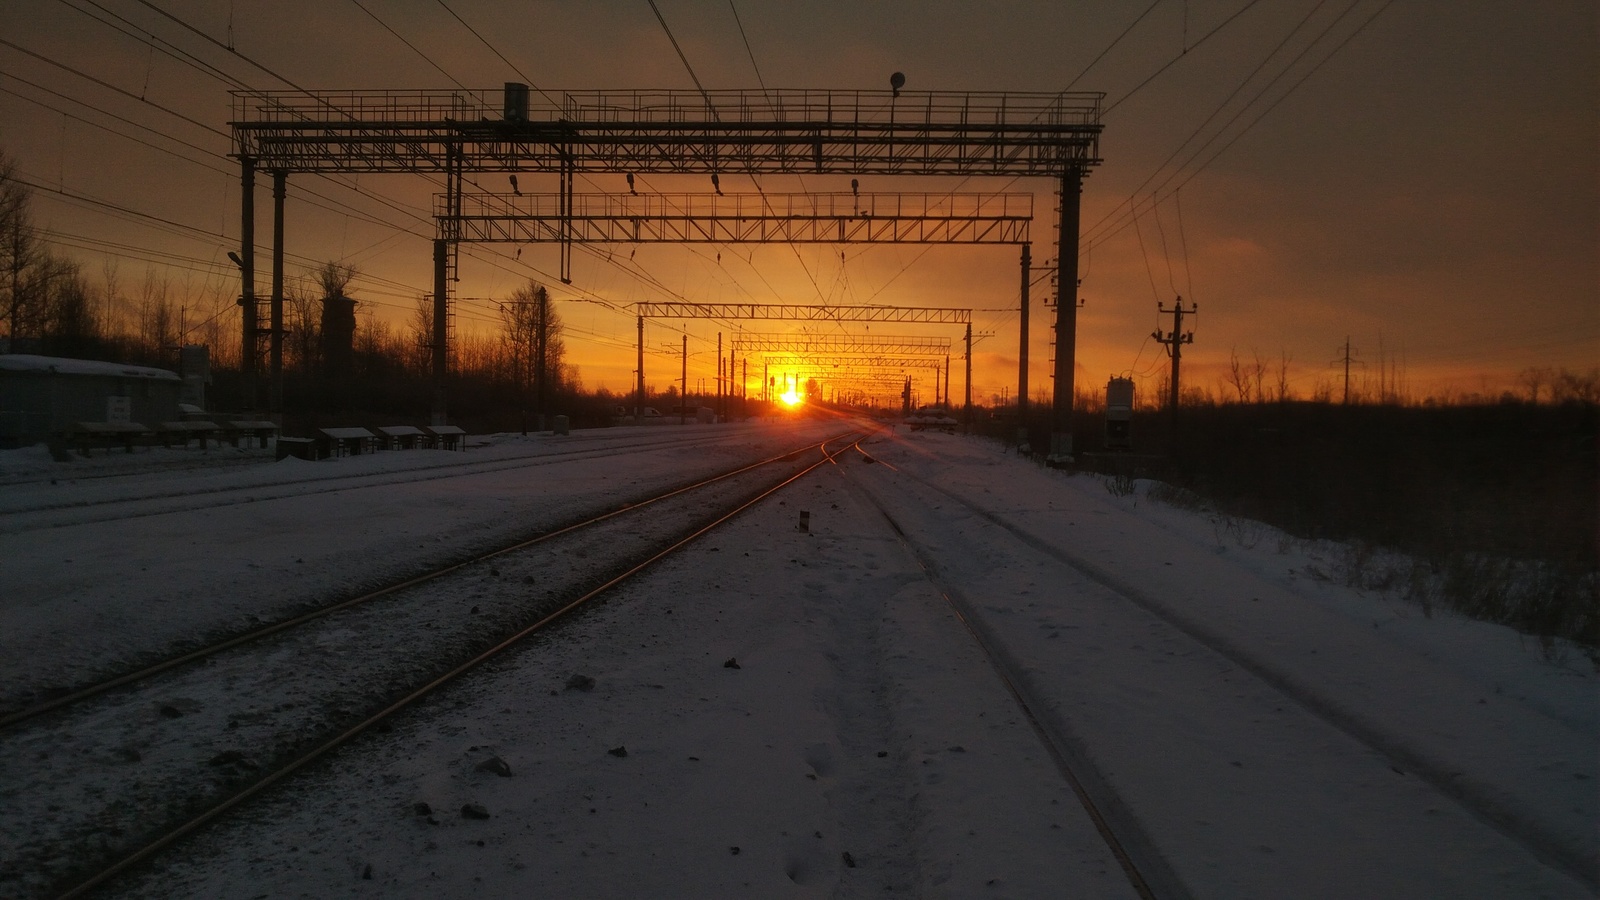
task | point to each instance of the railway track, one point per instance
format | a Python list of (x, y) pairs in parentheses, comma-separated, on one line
[(101, 780), (1146, 872), (1145, 854), (97, 502)]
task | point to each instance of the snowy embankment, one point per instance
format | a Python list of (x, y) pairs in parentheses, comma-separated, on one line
[(779, 713)]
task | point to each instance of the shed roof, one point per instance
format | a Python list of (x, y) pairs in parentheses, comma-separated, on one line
[(24, 362)]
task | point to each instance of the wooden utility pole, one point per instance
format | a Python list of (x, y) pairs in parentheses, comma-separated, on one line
[(1174, 341)]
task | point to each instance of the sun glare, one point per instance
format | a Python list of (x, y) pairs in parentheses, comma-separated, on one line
[(790, 398)]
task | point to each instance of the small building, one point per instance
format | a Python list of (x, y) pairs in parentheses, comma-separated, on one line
[(1119, 414), (45, 395)]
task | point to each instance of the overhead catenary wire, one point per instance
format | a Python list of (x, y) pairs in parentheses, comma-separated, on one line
[(1109, 226)]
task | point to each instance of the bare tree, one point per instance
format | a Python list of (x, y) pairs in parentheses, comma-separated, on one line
[(1533, 378), (1238, 375), (420, 332), (21, 297), (158, 323), (1283, 374), (531, 332)]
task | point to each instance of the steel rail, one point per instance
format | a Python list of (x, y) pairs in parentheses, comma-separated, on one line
[(256, 634), (1543, 844), (1055, 746), (362, 481), (264, 783)]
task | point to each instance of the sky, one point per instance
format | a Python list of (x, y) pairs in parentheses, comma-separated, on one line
[(1422, 182)]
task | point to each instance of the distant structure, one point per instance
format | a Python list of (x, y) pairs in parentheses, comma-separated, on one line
[(338, 334), (1119, 414), (45, 395)]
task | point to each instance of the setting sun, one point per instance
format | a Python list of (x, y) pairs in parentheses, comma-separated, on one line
[(790, 398)]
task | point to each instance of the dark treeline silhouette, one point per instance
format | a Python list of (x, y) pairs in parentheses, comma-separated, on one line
[(1499, 503)]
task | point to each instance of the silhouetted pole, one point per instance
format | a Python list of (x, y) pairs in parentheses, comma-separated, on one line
[(1066, 313), (1174, 341), (967, 384), (441, 254), (638, 387), (1022, 355), (247, 277), (722, 408), (280, 180), (1346, 359), (683, 389)]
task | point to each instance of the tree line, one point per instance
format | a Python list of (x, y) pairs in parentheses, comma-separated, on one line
[(339, 357)]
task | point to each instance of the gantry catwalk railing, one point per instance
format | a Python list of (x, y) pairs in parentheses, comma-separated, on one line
[(735, 131), (737, 218)]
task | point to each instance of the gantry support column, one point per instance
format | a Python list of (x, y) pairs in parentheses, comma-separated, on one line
[(1022, 355), (247, 278), (280, 181), (441, 256), (1066, 315)]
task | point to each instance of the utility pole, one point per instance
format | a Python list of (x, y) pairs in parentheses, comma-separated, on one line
[(1347, 359), (638, 388), (247, 275), (966, 408), (683, 389), (275, 351), (1174, 341), (1022, 353)]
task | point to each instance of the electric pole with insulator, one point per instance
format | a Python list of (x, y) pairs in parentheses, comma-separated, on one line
[(1174, 341)]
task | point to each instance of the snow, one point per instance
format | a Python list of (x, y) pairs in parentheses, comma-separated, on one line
[(23, 362), (1251, 727)]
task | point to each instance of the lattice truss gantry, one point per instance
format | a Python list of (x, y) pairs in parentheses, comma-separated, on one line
[(798, 312), (802, 343), (454, 133), (736, 131), (763, 218), (851, 363)]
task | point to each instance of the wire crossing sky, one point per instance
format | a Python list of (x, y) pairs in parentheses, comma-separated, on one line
[(1419, 178)]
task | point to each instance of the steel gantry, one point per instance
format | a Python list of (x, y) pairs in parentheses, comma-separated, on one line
[(855, 218), (764, 218), (455, 133), (752, 342), (793, 312)]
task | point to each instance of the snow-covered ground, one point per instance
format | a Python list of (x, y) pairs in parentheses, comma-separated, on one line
[(787, 713)]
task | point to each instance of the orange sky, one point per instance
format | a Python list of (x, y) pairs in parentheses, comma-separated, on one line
[(1429, 192)]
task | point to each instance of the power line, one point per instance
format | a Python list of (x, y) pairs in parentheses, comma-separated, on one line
[(413, 47), (1157, 73), (1104, 236), (710, 107), (1224, 104)]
